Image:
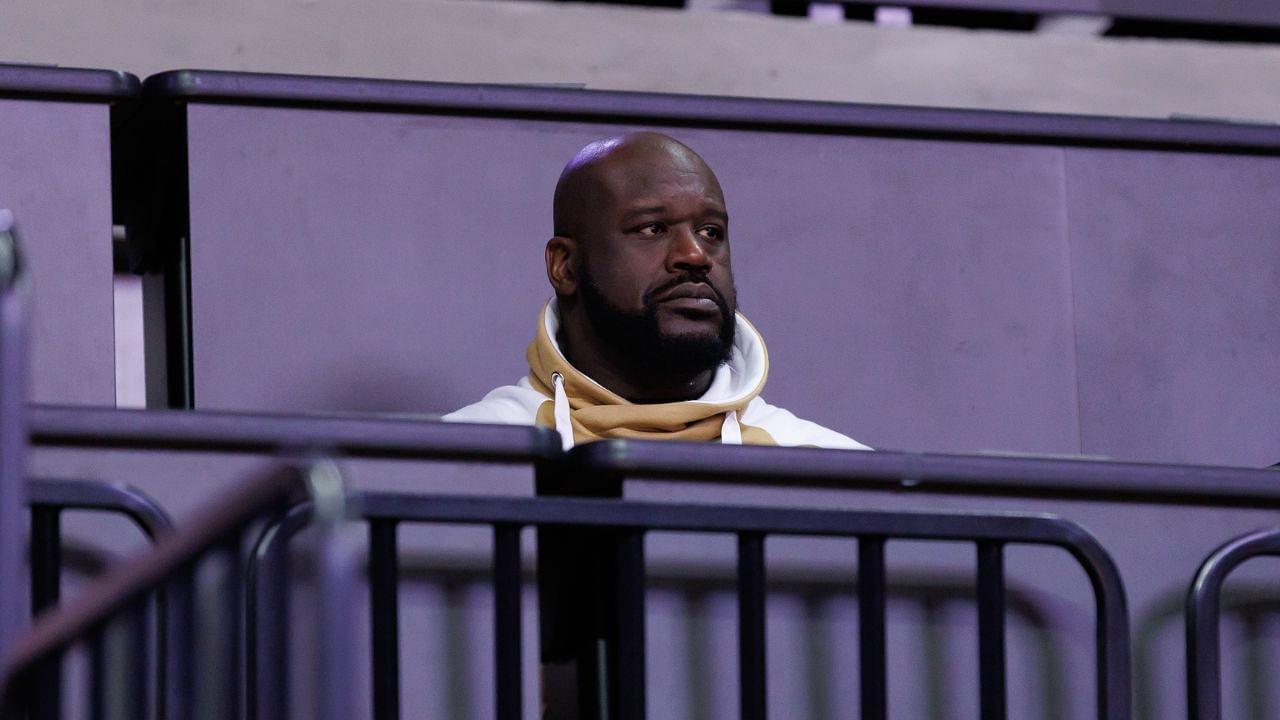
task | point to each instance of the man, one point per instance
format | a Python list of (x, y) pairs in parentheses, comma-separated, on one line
[(642, 339)]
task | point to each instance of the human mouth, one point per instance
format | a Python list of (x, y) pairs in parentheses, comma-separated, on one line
[(695, 297)]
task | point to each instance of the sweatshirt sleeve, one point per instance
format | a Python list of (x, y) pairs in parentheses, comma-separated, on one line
[(788, 430), (507, 405)]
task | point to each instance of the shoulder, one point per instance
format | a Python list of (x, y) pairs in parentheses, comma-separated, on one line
[(787, 429), (510, 404)]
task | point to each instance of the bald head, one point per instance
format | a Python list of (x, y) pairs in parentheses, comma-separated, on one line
[(600, 173), (640, 265)]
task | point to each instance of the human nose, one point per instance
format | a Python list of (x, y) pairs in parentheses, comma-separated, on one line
[(686, 254)]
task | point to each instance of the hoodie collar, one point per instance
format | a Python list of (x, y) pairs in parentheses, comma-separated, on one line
[(735, 383)]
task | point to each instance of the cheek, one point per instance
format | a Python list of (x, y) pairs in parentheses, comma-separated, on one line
[(618, 280)]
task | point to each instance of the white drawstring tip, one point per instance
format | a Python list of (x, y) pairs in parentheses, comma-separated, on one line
[(564, 423), (730, 430)]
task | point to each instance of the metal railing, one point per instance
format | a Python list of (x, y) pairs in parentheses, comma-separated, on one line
[(48, 499), (1204, 617), (244, 433), (608, 612), (170, 567)]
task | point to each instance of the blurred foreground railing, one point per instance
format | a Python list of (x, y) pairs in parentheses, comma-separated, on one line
[(1204, 618), (49, 499), (171, 567)]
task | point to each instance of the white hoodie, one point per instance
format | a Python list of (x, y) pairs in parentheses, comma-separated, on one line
[(580, 409)]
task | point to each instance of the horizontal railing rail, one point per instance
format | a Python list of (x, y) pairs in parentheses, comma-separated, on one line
[(383, 95), (424, 438), (122, 591), (63, 494), (908, 472), (44, 82)]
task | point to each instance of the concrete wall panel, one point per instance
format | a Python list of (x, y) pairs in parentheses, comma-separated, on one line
[(55, 175), (1176, 263)]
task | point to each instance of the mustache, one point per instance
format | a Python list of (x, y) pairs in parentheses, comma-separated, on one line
[(688, 278)]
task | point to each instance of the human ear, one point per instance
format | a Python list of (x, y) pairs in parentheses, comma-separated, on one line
[(562, 261)]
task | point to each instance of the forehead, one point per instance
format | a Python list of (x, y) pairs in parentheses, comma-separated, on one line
[(663, 175)]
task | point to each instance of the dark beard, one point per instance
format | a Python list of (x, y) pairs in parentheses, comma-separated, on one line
[(638, 338)]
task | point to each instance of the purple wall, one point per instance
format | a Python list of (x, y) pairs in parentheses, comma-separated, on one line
[(55, 175), (915, 294)]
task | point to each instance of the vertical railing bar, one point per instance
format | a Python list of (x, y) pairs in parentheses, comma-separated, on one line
[(631, 626), (384, 574), (97, 674), (179, 599), (1204, 669), (508, 682), (992, 680), (751, 626), (266, 624), (129, 697), (872, 645), (232, 607), (46, 576)]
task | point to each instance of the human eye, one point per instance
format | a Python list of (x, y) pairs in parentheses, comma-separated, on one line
[(711, 232), (651, 229)]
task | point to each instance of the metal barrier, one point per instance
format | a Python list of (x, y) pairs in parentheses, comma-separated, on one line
[(618, 610), (48, 500), (1204, 666), (222, 432), (123, 592), (602, 469)]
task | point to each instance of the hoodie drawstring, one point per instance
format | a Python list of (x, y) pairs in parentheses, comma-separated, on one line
[(730, 430), (564, 424)]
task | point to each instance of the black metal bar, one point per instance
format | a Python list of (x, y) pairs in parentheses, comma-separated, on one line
[(900, 472), (144, 511), (361, 94), (44, 82), (751, 626), (1204, 599), (180, 685), (230, 608), (128, 696), (384, 587), (507, 576), (991, 631), (267, 619), (675, 517), (629, 670), (46, 576), (208, 431), (872, 644), (98, 674)]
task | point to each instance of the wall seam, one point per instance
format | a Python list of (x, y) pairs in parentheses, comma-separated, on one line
[(1071, 289)]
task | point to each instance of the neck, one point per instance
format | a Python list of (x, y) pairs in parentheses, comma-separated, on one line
[(621, 374)]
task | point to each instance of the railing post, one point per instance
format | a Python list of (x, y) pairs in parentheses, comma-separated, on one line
[(578, 603), (13, 435), (384, 613), (46, 575)]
